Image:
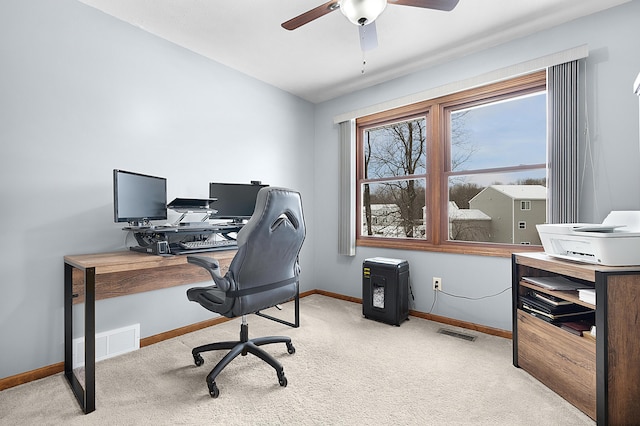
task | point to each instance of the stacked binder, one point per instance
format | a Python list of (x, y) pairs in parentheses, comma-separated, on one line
[(553, 309)]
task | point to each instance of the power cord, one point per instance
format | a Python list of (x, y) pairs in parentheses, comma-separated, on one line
[(474, 298), (412, 302), (463, 297)]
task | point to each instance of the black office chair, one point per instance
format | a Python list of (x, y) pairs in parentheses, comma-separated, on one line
[(263, 273)]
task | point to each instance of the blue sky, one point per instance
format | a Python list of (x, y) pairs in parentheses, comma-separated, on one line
[(508, 133)]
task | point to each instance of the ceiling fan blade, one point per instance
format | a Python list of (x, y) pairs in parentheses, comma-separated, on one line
[(446, 5), (368, 36), (310, 15)]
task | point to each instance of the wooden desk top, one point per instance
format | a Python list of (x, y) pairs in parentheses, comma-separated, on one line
[(121, 273), (122, 261)]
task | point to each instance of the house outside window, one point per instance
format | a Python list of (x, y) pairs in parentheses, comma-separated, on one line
[(450, 173), (394, 179)]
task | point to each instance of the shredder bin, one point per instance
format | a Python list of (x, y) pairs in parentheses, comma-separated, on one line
[(385, 290)]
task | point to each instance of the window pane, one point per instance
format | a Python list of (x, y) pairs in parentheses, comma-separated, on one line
[(395, 150), (500, 134), (487, 207), (394, 209)]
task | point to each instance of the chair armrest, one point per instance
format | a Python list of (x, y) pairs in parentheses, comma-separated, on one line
[(208, 263), (213, 266)]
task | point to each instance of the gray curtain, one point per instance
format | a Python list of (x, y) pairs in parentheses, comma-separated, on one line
[(563, 128), (347, 208)]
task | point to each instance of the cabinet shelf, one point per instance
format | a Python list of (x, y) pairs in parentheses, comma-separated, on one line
[(571, 296)]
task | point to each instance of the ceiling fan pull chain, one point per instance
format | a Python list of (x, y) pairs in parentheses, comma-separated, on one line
[(364, 62)]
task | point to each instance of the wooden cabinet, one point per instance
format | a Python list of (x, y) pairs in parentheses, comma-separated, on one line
[(601, 377)]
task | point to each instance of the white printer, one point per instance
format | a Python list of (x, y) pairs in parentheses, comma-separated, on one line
[(615, 242)]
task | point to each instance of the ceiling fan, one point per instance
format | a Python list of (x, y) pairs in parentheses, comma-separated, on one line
[(363, 13)]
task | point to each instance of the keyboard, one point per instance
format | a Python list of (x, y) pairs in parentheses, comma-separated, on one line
[(206, 244)]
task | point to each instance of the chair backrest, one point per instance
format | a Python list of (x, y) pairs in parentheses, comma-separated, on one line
[(264, 271)]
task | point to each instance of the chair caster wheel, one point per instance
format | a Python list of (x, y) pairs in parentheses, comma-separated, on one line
[(213, 390), (290, 348), (282, 380), (197, 359)]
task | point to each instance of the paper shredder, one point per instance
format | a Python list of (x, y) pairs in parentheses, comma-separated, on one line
[(385, 290)]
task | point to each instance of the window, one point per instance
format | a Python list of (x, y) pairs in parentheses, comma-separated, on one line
[(393, 187), (522, 225), (450, 174)]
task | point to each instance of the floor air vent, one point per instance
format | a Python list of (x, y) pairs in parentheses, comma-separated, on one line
[(457, 334)]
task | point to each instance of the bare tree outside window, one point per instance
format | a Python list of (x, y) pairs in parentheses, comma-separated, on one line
[(395, 159)]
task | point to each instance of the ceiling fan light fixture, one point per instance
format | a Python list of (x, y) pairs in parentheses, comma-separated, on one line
[(362, 12)]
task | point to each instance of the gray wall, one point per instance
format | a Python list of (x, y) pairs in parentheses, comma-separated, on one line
[(82, 93), (610, 157)]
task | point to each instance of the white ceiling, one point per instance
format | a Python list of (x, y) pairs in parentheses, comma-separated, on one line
[(322, 60)]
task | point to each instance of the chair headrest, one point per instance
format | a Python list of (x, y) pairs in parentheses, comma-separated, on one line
[(279, 207)]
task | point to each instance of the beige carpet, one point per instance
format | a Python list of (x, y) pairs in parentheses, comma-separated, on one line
[(347, 370)]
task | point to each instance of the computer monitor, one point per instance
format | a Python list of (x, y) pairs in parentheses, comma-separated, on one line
[(235, 201), (138, 198)]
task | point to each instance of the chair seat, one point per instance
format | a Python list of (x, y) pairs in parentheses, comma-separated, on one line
[(209, 297)]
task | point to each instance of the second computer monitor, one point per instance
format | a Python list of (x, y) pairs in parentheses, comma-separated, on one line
[(235, 201)]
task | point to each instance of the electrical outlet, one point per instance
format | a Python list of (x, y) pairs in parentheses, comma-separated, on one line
[(437, 283)]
